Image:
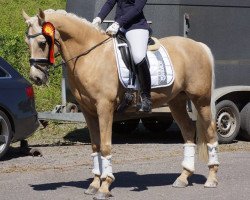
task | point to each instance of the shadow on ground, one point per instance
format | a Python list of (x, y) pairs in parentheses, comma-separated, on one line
[(14, 152), (128, 179), (139, 135)]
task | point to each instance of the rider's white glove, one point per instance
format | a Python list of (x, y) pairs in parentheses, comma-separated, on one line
[(113, 29), (97, 21)]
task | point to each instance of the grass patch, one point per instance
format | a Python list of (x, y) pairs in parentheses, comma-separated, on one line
[(60, 134), (15, 50)]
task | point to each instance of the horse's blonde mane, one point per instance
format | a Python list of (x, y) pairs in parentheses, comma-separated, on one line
[(63, 12)]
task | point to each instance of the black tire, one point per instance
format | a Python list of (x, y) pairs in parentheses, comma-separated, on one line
[(126, 126), (157, 124), (227, 121), (245, 122), (5, 134)]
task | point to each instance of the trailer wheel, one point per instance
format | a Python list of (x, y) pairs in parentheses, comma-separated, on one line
[(245, 122), (227, 121), (126, 126), (157, 124)]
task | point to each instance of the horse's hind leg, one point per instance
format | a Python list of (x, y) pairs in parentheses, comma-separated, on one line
[(181, 117), (208, 129)]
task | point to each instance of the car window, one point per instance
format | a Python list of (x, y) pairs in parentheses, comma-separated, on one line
[(3, 73)]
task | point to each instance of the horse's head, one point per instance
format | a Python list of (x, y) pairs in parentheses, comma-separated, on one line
[(40, 37)]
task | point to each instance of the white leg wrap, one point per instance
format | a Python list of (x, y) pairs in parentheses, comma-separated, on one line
[(189, 152), (97, 169), (107, 167), (213, 154)]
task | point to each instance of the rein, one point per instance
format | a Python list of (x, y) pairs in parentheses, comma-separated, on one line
[(82, 54)]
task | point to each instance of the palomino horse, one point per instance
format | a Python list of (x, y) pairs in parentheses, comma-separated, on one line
[(94, 81)]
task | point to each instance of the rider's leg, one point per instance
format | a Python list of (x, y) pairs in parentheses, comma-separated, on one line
[(138, 39), (145, 84)]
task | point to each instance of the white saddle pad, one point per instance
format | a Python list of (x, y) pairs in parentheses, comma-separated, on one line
[(161, 68)]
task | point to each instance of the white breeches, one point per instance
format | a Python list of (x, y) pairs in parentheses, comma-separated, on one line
[(189, 152), (102, 166), (138, 39)]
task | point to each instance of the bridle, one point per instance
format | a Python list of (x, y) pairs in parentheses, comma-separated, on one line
[(41, 60), (37, 62), (51, 41)]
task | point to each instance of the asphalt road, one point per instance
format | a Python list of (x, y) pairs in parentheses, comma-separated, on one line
[(145, 168)]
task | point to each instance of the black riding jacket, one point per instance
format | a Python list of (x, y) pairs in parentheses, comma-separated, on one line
[(129, 13)]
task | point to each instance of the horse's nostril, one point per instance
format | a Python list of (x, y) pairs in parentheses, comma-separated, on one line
[(32, 78), (38, 79)]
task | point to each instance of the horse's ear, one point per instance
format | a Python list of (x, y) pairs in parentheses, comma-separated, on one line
[(25, 15), (41, 17)]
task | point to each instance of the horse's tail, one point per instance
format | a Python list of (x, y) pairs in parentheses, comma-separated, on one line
[(201, 138)]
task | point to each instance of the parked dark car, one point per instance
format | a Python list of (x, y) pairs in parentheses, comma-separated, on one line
[(18, 116)]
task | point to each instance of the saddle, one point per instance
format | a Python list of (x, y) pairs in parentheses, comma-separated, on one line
[(125, 49)]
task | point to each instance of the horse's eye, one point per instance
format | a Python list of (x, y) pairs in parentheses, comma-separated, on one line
[(42, 44)]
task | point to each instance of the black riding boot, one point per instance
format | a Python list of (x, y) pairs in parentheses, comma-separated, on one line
[(144, 79)]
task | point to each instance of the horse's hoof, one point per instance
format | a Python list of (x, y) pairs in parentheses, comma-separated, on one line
[(180, 184), (211, 184), (101, 195), (91, 190)]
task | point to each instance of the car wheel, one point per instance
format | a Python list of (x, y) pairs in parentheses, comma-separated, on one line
[(227, 121), (126, 126), (157, 124), (5, 134), (245, 122)]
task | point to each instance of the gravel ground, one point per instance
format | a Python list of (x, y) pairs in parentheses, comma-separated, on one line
[(138, 159), (60, 153)]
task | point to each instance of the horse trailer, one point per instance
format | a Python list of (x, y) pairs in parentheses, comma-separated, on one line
[(224, 27)]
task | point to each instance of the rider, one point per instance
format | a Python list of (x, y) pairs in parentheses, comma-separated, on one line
[(131, 21)]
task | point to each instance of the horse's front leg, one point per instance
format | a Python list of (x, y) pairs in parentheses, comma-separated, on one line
[(105, 111), (93, 126)]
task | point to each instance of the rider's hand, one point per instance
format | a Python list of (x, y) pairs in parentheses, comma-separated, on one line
[(113, 29), (97, 21)]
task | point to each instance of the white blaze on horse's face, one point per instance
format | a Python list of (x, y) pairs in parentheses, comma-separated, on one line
[(39, 50)]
